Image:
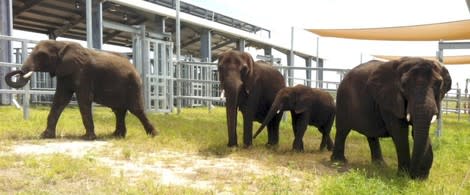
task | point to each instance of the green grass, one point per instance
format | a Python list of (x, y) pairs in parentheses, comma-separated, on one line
[(197, 131)]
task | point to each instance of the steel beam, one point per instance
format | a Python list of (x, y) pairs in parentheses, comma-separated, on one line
[(308, 73), (223, 44), (454, 45), (6, 26), (190, 42), (27, 6), (97, 23), (268, 51), (320, 73), (290, 60), (241, 44), (206, 43), (89, 23)]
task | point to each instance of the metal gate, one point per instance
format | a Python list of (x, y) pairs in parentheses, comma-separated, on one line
[(153, 59)]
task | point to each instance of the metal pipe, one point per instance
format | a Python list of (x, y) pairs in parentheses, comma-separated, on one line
[(89, 25), (178, 54), (24, 48), (440, 57)]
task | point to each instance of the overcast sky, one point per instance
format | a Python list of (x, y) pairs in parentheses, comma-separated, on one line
[(280, 16)]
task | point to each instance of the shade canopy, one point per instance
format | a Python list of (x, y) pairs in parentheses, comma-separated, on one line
[(448, 60), (456, 30)]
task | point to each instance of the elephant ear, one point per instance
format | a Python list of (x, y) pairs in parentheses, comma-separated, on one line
[(447, 81), (247, 71), (302, 103), (384, 84), (72, 56)]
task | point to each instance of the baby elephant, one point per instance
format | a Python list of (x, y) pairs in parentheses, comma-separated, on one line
[(308, 107)]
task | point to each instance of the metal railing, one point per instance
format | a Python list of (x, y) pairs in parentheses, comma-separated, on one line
[(198, 84), (456, 102), (33, 89)]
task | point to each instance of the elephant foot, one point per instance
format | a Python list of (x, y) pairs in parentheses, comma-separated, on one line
[(153, 133), (330, 147), (247, 146), (232, 145), (379, 162), (48, 134), (119, 134), (89, 136), (419, 175), (298, 148), (339, 159), (298, 145), (272, 146), (326, 143), (326, 148)]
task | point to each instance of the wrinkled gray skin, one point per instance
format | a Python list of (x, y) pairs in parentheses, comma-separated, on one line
[(251, 87), (94, 76), (375, 99), (308, 107)]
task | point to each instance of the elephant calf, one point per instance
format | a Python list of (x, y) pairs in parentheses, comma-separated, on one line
[(308, 107), (94, 76)]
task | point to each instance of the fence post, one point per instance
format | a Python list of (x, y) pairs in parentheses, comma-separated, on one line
[(440, 57), (24, 49), (458, 104)]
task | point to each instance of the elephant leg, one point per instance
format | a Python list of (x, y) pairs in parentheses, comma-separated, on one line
[(300, 128), (340, 140), (120, 123), (399, 133), (149, 129), (426, 162), (273, 130), (326, 139), (375, 150), (61, 98), (248, 128), (294, 122), (84, 104)]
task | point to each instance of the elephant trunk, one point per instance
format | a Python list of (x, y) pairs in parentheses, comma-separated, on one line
[(275, 109), (422, 115), (422, 155), (21, 78), (232, 91)]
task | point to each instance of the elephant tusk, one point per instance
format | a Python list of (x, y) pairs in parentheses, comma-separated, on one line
[(408, 117), (278, 111), (27, 75), (434, 117), (222, 94)]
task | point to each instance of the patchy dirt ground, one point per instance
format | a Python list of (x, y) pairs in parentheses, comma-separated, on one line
[(166, 167)]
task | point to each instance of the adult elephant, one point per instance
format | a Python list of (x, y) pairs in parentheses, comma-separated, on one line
[(381, 99), (251, 87), (308, 106), (94, 76)]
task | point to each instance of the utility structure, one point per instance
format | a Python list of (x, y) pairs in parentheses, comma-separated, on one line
[(148, 29)]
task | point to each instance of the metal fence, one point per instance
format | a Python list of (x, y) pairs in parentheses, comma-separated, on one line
[(457, 102), (38, 89), (189, 83), (199, 84)]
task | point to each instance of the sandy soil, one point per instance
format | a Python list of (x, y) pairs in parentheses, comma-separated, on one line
[(166, 167)]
